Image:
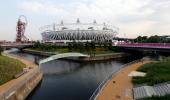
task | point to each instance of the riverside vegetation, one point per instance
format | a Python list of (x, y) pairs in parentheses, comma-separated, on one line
[(156, 72), (8, 68), (87, 47)]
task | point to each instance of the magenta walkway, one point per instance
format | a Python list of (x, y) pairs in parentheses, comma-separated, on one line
[(146, 45)]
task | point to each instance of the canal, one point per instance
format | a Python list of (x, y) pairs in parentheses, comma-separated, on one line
[(69, 80)]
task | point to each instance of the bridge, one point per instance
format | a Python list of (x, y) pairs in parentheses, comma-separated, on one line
[(8, 45), (164, 47), (63, 55)]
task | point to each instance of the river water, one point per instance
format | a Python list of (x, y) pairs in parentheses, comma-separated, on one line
[(68, 80)]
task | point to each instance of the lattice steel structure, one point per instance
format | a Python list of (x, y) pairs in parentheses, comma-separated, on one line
[(21, 26), (78, 31)]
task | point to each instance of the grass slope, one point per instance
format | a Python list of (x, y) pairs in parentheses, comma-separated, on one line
[(157, 72), (8, 68)]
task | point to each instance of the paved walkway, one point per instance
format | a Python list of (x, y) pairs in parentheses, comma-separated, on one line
[(5, 88), (120, 86)]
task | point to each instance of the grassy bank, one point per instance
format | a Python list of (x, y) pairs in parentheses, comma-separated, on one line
[(157, 72), (8, 68)]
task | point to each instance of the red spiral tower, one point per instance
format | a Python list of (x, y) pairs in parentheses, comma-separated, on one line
[(21, 26)]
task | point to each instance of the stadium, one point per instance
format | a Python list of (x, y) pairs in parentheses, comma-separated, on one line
[(82, 32)]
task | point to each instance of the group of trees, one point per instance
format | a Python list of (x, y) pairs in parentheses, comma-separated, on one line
[(43, 46), (152, 39), (75, 46), (87, 47)]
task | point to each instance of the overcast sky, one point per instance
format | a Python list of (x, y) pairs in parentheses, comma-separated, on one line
[(132, 17)]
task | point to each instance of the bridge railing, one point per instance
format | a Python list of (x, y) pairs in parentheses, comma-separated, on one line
[(15, 45), (110, 76), (158, 45)]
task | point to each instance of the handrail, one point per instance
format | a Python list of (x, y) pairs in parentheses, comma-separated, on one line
[(110, 76), (150, 45)]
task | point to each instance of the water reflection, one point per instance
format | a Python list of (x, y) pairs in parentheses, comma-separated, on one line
[(67, 80), (59, 67)]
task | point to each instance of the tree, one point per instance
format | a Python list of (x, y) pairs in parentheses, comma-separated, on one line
[(110, 44), (154, 39), (70, 46), (74, 45), (1, 50), (37, 44), (87, 47), (105, 44), (141, 39), (80, 46), (92, 47)]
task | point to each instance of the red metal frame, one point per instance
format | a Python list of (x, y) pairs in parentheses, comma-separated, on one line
[(21, 26)]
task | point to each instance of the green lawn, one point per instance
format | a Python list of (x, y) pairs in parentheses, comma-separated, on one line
[(8, 68), (157, 72)]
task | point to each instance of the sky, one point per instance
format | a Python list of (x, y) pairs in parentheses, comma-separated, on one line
[(132, 17)]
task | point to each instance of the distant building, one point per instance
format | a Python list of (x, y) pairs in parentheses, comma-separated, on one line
[(67, 32)]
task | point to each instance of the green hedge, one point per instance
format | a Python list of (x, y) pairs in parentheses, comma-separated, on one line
[(8, 68)]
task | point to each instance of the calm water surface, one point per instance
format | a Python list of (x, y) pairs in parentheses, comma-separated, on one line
[(68, 80)]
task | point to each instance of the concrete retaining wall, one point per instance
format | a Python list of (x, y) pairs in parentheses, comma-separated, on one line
[(21, 87), (21, 91), (104, 57)]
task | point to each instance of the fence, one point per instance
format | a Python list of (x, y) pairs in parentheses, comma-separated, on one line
[(150, 45), (110, 76)]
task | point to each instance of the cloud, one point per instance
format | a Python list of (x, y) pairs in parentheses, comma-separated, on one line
[(33, 6), (131, 16), (97, 8)]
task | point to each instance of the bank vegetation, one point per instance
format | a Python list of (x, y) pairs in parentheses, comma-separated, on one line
[(8, 68), (90, 48)]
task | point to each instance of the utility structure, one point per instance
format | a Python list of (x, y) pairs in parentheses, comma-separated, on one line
[(21, 26)]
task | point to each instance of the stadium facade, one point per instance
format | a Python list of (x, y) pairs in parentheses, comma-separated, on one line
[(67, 32)]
